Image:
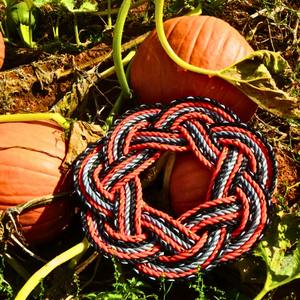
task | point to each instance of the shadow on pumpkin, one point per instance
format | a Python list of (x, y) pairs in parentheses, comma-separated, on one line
[(31, 155)]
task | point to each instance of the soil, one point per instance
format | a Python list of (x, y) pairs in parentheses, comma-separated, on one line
[(36, 80)]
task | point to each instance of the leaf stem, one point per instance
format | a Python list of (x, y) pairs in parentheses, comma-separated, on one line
[(124, 62), (30, 6), (55, 27), (268, 280), (35, 279), (165, 44), (288, 188), (76, 29), (118, 104), (30, 28), (146, 18), (117, 48), (109, 23), (36, 117)]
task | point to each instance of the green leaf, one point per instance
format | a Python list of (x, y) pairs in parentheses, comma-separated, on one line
[(86, 6), (281, 252), (296, 256), (68, 4), (265, 77), (40, 3), (18, 13), (9, 2), (24, 33), (90, 297), (29, 3)]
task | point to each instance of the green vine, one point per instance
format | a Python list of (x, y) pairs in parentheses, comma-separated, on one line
[(37, 277), (36, 117), (117, 48)]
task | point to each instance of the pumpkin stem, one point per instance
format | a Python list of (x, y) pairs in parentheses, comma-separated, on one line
[(36, 117), (109, 22), (36, 278)]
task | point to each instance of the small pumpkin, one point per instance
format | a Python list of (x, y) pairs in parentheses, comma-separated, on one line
[(188, 183), (2, 50), (31, 154), (203, 41)]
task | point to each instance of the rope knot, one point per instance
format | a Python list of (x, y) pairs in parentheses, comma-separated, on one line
[(116, 220)]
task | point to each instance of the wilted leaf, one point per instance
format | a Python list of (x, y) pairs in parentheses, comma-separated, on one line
[(76, 97), (265, 77), (82, 133)]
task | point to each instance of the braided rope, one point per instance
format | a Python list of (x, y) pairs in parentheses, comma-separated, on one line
[(116, 220)]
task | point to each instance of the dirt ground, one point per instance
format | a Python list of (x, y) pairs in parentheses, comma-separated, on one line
[(36, 80)]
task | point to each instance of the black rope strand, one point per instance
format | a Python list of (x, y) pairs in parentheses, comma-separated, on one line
[(118, 225)]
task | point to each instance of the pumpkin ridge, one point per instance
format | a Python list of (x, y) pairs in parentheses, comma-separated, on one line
[(33, 171), (195, 38), (182, 52), (207, 44), (241, 54), (221, 47), (172, 29), (172, 24), (41, 216), (46, 231), (44, 237)]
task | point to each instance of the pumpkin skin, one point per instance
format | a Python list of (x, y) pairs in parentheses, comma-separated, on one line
[(31, 154), (2, 50), (188, 183), (203, 41)]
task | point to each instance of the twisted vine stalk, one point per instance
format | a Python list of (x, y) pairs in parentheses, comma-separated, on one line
[(36, 278), (165, 44), (117, 48), (36, 117)]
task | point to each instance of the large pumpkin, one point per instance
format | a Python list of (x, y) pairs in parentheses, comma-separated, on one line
[(2, 50), (31, 154), (202, 41), (188, 183)]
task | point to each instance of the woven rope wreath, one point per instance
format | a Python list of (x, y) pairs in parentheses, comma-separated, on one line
[(116, 220)]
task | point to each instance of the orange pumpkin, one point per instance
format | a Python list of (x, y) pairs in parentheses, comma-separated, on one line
[(188, 183), (203, 41), (2, 50), (31, 154)]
